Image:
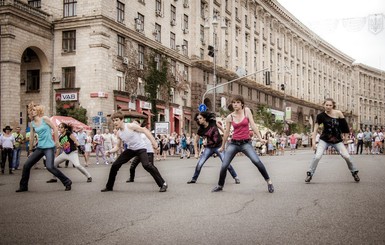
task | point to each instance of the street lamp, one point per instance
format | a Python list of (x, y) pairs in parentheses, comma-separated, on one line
[(213, 49)]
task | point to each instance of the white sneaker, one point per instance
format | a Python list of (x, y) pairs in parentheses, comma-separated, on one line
[(97, 162), (106, 163)]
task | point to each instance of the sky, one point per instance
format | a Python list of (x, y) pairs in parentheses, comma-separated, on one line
[(355, 27)]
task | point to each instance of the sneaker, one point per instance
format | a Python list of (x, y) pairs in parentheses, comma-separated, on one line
[(97, 162), (270, 188), (106, 163), (106, 189), (22, 190), (308, 177), (130, 180), (237, 181), (89, 179), (193, 181), (217, 188), (163, 188), (51, 181), (355, 176), (68, 187)]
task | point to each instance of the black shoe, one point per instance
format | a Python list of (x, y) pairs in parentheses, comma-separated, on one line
[(2, 171), (10, 172), (51, 181), (68, 187), (191, 181), (355, 176), (237, 181), (130, 180), (217, 188), (308, 177), (163, 188), (89, 179), (22, 190), (106, 189), (270, 188)]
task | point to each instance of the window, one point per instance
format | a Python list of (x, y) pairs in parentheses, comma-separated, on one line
[(158, 6), (202, 33), (230, 87), (120, 12), (34, 3), (173, 13), (33, 80), (201, 53), (69, 77), (185, 47), (69, 8), (69, 41), (249, 93), (185, 23), (140, 22), (172, 40), (141, 55), (203, 7), (157, 32), (121, 45), (120, 83), (173, 67)]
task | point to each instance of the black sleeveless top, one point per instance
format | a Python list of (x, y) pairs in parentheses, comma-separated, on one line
[(68, 145)]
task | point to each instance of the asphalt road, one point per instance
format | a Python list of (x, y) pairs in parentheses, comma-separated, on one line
[(332, 209)]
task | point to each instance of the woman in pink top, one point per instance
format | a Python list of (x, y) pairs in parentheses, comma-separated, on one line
[(241, 119)]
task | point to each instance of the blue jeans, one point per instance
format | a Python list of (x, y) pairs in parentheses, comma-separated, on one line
[(248, 150), (207, 153), (33, 158), (340, 148), (16, 157)]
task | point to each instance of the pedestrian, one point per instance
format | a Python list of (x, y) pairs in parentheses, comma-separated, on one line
[(150, 153), (293, 143), (6, 144), (334, 126), (43, 126), (19, 140), (99, 147), (70, 149), (81, 136), (360, 142), (209, 129), (88, 148), (108, 143), (367, 139), (241, 119), (130, 133)]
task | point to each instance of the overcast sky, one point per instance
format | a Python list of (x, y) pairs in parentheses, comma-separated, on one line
[(355, 27)]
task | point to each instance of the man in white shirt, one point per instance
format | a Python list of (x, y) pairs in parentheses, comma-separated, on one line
[(130, 133), (108, 143)]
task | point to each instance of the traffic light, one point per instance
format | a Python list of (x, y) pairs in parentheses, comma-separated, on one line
[(267, 78), (211, 50), (282, 86)]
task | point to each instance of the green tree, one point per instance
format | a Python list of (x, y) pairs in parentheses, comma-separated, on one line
[(264, 117), (79, 113), (156, 81)]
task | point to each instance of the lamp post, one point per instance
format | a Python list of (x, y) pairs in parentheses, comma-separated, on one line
[(213, 50)]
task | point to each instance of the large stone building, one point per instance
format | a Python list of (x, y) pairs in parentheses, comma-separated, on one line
[(95, 54)]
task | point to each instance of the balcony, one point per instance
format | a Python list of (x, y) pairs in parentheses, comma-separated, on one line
[(25, 8)]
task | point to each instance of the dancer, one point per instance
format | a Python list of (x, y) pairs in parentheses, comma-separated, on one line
[(241, 119), (334, 125), (130, 133), (150, 153), (208, 128), (70, 145), (43, 126)]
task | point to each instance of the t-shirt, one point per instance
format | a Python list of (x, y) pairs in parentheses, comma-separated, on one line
[(212, 135), (332, 130), (68, 145)]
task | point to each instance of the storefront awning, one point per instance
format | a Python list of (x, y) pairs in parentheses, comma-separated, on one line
[(122, 106), (133, 114), (177, 117), (148, 113)]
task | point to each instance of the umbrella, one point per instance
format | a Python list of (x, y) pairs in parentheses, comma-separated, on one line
[(76, 125)]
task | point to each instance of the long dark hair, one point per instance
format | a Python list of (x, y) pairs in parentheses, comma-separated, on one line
[(67, 127), (209, 117)]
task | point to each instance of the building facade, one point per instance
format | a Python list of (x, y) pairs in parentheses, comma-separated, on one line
[(96, 54)]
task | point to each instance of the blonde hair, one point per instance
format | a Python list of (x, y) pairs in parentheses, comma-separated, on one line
[(39, 109), (331, 100)]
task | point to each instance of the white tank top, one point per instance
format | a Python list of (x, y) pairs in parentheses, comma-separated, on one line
[(132, 138), (148, 144)]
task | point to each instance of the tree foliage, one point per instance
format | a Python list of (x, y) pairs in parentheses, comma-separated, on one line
[(264, 117), (79, 113), (156, 81)]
